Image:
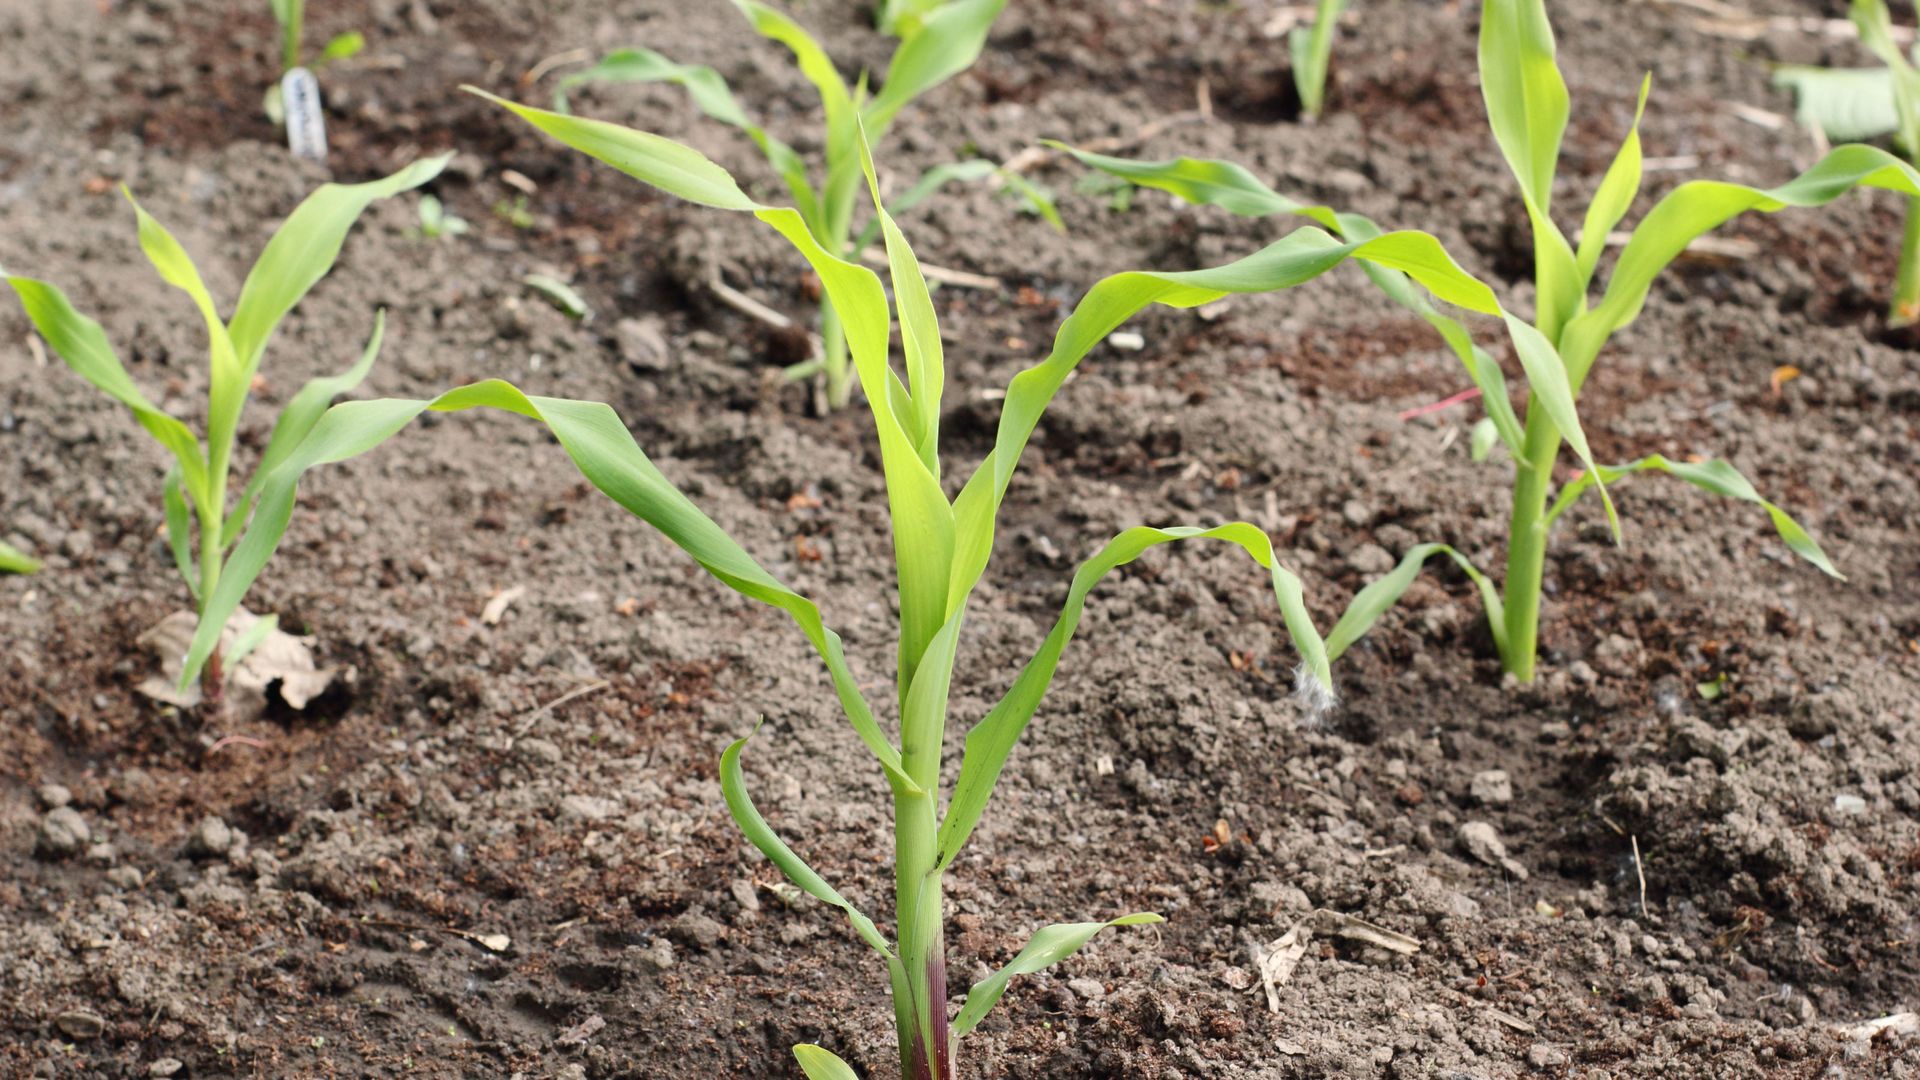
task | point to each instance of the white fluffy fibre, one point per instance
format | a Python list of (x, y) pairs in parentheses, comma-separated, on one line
[(1316, 697)]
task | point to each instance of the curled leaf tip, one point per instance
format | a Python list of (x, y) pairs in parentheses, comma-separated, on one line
[(1318, 698)]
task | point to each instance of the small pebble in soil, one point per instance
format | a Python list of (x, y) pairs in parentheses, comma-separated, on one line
[(537, 751), (658, 955), (54, 796), (209, 839), (1542, 1056), (699, 930), (1089, 989), (1481, 841), (125, 877), (80, 1024), (642, 344), (1491, 788), (1370, 559), (63, 832), (587, 808), (165, 1067), (1850, 804)]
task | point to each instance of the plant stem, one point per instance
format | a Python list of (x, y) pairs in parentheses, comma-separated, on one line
[(1527, 543), (213, 677), (920, 993), (290, 35), (1906, 288), (920, 990), (833, 348)]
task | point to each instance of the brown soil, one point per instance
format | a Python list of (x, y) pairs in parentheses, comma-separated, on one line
[(428, 794)]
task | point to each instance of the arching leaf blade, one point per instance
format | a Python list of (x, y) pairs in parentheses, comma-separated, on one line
[(1720, 478), (991, 741), (1048, 946), (1379, 595), (304, 249), (600, 446)]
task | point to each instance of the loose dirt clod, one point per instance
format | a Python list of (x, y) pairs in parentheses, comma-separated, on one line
[(1483, 842), (63, 832)]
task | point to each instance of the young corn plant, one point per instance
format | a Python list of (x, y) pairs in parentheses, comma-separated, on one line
[(1527, 107), (936, 45), (196, 489), (292, 17), (941, 545), (1311, 48), (1864, 103)]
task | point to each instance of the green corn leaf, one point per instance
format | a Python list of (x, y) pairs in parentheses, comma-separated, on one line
[(179, 530), (923, 526), (703, 84), (1048, 946), (945, 43), (733, 785), (559, 294), (1527, 108), (250, 639), (1843, 104), (297, 419), (665, 164), (1234, 189), (343, 47), (1525, 95), (1381, 594), (710, 95), (1875, 24), (821, 1064), (303, 250), (1480, 367), (1548, 382), (1311, 49), (1615, 195), (83, 345), (899, 17), (605, 453), (922, 517), (228, 385), (1297, 258), (291, 15), (1700, 206), (1204, 182), (992, 739), (1720, 478), (15, 561), (832, 222), (1486, 435), (919, 328), (1034, 199)]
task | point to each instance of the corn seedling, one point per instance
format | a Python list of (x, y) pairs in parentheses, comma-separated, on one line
[(291, 15), (1527, 107), (935, 46), (942, 545), (196, 487), (1311, 48), (15, 561), (1865, 103), (436, 221)]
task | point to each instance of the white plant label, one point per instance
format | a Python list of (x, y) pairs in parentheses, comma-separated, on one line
[(306, 126)]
